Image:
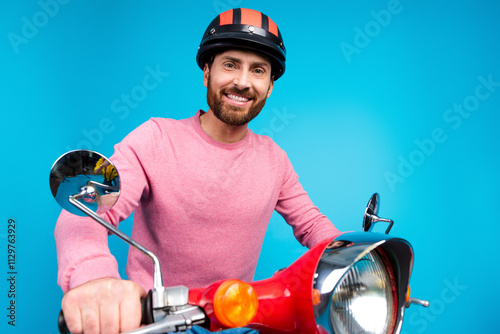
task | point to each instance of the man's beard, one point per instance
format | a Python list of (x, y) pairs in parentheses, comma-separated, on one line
[(229, 114)]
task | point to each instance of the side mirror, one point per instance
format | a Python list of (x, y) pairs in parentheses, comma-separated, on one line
[(370, 217), (88, 177), (86, 183)]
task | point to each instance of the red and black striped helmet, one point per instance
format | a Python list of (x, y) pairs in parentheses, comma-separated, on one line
[(247, 29)]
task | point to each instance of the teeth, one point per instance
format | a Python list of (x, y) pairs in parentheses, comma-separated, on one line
[(238, 98)]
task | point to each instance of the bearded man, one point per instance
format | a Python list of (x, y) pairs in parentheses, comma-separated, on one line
[(202, 189)]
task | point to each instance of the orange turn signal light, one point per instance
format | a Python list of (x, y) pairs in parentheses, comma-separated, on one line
[(235, 303), (316, 297), (408, 293)]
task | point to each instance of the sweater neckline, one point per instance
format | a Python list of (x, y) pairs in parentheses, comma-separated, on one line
[(211, 141)]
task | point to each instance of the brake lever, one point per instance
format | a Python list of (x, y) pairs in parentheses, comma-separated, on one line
[(179, 320)]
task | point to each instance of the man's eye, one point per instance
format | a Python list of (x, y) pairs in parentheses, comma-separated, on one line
[(259, 71), (229, 65)]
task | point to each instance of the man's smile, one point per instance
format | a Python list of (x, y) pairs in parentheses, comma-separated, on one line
[(236, 99)]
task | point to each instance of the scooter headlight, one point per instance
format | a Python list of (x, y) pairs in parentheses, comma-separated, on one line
[(361, 280), (363, 301)]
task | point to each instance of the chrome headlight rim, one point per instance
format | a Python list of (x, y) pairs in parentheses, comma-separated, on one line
[(343, 253)]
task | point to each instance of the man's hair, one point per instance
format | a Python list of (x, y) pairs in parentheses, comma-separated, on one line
[(210, 59)]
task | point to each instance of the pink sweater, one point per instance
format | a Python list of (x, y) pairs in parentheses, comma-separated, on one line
[(200, 205)]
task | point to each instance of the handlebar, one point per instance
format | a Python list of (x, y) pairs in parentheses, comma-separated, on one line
[(146, 318), (61, 324)]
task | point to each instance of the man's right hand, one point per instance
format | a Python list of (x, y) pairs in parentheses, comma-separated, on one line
[(106, 305)]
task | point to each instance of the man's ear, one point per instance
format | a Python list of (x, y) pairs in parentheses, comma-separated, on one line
[(206, 73)]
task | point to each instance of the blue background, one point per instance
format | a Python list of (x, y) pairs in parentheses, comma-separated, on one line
[(366, 105)]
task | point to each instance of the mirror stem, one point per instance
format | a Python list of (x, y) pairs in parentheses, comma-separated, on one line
[(158, 280), (390, 221), (103, 186), (376, 219)]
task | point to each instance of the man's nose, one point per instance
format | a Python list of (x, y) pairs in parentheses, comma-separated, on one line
[(241, 79)]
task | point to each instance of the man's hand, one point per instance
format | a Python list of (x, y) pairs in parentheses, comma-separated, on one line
[(106, 305)]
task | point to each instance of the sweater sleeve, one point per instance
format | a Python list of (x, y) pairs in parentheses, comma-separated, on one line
[(309, 225), (82, 244), (82, 251)]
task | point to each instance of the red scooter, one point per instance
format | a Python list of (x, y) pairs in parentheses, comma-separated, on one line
[(354, 283)]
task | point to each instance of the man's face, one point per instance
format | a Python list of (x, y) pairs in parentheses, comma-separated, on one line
[(238, 84)]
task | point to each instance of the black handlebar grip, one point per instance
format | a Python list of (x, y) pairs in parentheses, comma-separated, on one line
[(63, 329), (147, 309), (146, 319)]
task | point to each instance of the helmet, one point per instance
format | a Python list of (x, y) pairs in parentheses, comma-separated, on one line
[(247, 29)]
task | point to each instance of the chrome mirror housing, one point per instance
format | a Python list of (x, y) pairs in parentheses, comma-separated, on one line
[(87, 176), (370, 217)]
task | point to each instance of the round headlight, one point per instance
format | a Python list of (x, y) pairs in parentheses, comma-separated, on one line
[(364, 300)]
